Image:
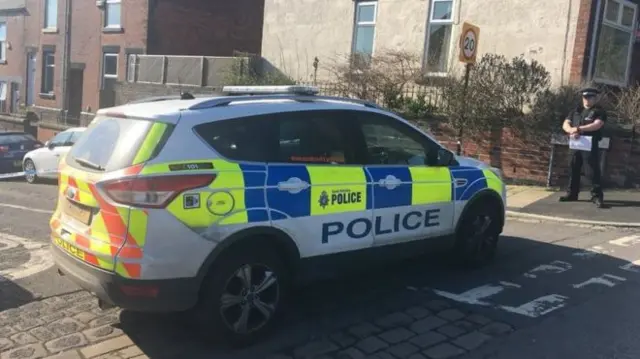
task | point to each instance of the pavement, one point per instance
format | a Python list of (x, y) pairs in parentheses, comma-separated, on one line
[(555, 290), (621, 207)]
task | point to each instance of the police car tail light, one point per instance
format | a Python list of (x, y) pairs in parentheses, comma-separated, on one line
[(154, 192)]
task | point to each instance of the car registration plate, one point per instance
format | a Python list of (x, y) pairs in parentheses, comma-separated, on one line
[(68, 248), (77, 212)]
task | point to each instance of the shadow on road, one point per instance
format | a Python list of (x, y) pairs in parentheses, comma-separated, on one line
[(13, 295), (327, 307)]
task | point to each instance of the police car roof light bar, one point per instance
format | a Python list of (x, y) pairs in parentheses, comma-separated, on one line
[(263, 90), (224, 101)]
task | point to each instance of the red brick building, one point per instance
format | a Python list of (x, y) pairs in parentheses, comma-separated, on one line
[(99, 35), (607, 42)]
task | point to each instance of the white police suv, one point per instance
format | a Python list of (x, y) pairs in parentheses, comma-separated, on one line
[(218, 204)]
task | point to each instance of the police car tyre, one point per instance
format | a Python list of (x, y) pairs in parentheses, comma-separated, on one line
[(243, 295), (30, 171), (477, 237)]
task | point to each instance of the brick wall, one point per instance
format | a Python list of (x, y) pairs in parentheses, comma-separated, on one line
[(581, 46), (205, 27), (526, 160)]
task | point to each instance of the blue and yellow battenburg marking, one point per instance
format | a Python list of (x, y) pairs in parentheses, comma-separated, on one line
[(251, 193)]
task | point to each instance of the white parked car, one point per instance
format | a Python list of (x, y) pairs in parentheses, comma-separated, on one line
[(43, 162)]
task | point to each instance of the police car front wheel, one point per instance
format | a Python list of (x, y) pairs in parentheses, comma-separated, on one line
[(477, 238), (243, 295)]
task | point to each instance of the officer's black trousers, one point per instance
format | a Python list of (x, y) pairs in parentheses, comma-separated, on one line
[(576, 159)]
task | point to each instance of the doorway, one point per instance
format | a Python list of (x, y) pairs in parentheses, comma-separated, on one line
[(30, 87), (76, 81)]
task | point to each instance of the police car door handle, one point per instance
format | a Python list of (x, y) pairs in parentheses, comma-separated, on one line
[(293, 185), (390, 182)]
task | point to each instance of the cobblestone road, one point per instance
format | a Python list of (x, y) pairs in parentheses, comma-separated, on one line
[(422, 308)]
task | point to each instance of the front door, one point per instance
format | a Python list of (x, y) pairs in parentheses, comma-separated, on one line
[(76, 80), (30, 93), (412, 201)]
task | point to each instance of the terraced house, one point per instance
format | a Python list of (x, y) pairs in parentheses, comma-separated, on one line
[(62, 58), (573, 39)]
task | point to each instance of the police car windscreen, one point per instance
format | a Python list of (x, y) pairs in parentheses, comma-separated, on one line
[(109, 144)]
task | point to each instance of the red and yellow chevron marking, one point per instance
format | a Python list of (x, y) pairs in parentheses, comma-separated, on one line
[(116, 233)]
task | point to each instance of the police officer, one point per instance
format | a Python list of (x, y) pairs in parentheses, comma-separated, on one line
[(587, 119)]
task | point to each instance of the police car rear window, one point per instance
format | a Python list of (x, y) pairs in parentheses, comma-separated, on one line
[(109, 144)]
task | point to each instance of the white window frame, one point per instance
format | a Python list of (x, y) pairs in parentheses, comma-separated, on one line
[(106, 14), (3, 44), (104, 58), (45, 67), (46, 24), (356, 24), (617, 25), (431, 21)]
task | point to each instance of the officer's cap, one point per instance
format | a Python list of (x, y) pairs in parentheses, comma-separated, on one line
[(589, 91)]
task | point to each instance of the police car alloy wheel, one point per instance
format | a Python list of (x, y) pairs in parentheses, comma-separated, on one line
[(30, 171), (243, 295), (250, 298), (478, 234)]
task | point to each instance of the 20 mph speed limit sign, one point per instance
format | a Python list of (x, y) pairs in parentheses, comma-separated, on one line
[(469, 43)]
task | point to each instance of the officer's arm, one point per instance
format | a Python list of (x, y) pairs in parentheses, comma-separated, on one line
[(593, 126), (566, 126)]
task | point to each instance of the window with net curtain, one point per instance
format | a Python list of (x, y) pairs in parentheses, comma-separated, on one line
[(438, 42), (615, 42)]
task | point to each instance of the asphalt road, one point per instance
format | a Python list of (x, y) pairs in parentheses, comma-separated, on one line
[(550, 284)]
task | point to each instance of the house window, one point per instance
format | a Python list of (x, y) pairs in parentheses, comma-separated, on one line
[(3, 42), (109, 70), (364, 30), (112, 11), (438, 42), (48, 71), (615, 43), (50, 14)]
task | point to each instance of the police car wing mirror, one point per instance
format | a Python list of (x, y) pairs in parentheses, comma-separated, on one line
[(49, 145)]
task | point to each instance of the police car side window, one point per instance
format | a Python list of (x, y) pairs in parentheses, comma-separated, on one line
[(318, 137), (240, 139), (390, 142)]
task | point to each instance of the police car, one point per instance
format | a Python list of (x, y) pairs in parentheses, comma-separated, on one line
[(217, 205)]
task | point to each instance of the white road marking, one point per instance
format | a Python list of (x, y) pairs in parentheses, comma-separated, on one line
[(592, 252), (632, 266), (604, 279), (539, 306), (39, 257), (37, 210), (554, 267), (626, 241), (509, 284), (473, 296)]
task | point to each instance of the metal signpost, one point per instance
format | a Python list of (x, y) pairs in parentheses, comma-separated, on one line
[(469, 39)]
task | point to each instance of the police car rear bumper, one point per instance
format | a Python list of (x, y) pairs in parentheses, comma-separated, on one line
[(168, 295)]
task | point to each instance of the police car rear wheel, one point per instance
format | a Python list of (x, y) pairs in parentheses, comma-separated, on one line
[(30, 169), (243, 295), (477, 239)]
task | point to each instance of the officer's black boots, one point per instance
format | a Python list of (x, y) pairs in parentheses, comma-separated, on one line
[(598, 200), (569, 198)]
